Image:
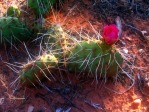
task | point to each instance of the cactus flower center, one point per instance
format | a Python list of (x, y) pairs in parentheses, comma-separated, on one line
[(110, 34)]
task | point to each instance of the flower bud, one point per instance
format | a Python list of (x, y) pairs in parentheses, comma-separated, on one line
[(110, 34)]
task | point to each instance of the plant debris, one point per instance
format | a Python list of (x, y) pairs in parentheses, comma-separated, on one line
[(126, 9)]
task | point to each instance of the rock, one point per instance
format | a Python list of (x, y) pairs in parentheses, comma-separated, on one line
[(125, 51), (1, 101), (30, 108), (129, 39), (62, 110), (146, 82), (146, 86), (136, 104), (141, 50)]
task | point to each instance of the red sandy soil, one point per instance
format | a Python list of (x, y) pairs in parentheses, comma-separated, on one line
[(78, 16)]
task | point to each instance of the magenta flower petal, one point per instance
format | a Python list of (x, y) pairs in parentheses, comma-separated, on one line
[(110, 34)]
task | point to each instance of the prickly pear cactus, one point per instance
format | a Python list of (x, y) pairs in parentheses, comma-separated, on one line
[(12, 30), (41, 7), (95, 58), (34, 72), (13, 11)]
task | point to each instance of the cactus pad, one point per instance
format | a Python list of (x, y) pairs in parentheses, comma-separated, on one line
[(41, 7), (35, 71), (13, 11), (12, 30), (58, 41), (94, 58)]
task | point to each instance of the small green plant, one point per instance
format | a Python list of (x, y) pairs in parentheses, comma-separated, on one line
[(12, 30), (13, 11), (41, 7)]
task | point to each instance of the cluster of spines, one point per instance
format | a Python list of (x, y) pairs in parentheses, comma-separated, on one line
[(58, 43), (35, 71)]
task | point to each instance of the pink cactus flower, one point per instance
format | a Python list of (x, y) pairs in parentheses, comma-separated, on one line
[(110, 34)]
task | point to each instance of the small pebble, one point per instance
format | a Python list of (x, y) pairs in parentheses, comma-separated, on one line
[(30, 108), (136, 103), (140, 50), (1, 101), (125, 51), (146, 85), (129, 39)]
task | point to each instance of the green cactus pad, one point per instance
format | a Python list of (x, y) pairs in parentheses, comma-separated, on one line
[(58, 41), (52, 41), (12, 30), (38, 70), (41, 7), (13, 11), (94, 58)]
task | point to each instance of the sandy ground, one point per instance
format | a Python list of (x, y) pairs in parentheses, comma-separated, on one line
[(80, 17)]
